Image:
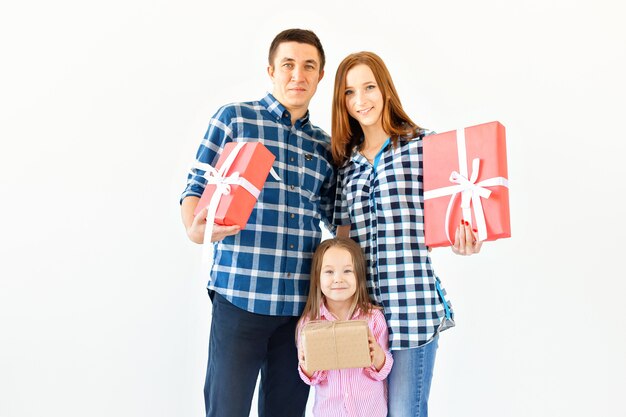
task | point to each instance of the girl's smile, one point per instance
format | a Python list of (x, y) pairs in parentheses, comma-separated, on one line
[(338, 280)]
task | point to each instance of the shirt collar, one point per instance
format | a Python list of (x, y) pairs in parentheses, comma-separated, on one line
[(360, 159), (330, 317), (280, 112)]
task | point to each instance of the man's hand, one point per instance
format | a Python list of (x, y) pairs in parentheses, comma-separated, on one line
[(465, 240), (195, 231)]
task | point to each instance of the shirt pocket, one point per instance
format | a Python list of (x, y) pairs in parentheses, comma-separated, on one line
[(313, 172)]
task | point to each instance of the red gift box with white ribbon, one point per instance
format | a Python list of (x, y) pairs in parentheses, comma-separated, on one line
[(233, 187), (466, 178)]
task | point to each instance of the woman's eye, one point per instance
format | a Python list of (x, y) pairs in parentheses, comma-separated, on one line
[(348, 92), (371, 87)]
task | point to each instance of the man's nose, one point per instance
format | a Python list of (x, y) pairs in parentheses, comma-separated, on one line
[(296, 74)]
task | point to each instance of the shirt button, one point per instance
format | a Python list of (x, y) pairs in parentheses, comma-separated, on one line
[(292, 159), (293, 216), (292, 187), (288, 274), (291, 246)]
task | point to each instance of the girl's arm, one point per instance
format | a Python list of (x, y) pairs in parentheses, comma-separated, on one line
[(378, 328), (309, 378)]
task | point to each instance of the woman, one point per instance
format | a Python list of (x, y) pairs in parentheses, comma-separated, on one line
[(379, 204)]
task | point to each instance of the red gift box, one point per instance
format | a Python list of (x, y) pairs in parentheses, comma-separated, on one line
[(465, 177), (250, 166)]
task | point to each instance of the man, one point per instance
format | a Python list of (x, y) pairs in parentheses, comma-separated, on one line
[(260, 276)]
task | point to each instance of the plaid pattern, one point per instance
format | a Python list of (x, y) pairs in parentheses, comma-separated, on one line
[(265, 268), (384, 206)]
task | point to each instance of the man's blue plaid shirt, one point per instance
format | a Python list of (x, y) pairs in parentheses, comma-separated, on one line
[(265, 268)]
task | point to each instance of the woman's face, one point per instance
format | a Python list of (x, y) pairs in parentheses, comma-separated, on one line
[(364, 100)]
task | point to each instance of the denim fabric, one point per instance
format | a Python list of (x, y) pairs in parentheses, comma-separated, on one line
[(241, 344), (409, 380)]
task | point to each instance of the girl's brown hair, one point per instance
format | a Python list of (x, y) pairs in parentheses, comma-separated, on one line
[(346, 131), (361, 298)]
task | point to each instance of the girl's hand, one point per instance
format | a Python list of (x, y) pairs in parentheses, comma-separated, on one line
[(466, 240), (376, 352), (302, 362)]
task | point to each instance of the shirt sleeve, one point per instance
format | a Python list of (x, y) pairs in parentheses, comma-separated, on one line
[(315, 379), (341, 216), (378, 325), (327, 200), (218, 134)]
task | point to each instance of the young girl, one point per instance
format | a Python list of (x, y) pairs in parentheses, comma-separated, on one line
[(379, 204), (338, 292)]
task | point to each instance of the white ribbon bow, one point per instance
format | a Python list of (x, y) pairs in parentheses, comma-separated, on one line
[(470, 190)]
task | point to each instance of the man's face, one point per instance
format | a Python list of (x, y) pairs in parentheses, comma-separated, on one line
[(295, 73)]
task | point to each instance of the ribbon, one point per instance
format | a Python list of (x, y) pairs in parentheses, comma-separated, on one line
[(223, 185), (470, 190)]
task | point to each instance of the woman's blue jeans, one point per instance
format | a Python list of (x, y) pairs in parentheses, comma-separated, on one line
[(409, 380)]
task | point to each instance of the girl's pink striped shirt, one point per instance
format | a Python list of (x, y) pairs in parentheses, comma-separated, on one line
[(353, 392)]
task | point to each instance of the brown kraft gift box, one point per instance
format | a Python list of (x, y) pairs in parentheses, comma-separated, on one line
[(335, 345)]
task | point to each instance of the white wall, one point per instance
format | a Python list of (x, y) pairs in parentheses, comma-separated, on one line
[(102, 310)]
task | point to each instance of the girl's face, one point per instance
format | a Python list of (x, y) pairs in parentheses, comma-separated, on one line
[(364, 100), (337, 278)]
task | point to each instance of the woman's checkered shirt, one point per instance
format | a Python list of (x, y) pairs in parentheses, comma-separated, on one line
[(384, 207)]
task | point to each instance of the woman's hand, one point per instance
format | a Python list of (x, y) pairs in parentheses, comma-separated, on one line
[(376, 352), (466, 240)]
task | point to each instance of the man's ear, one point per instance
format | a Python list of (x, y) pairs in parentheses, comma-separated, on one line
[(321, 76), (270, 71)]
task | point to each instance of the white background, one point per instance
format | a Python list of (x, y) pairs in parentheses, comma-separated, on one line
[(103, 104)]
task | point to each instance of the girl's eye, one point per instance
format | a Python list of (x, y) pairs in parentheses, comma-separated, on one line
[(328, 272), (348, 92), (371, 87), (347, 271)]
